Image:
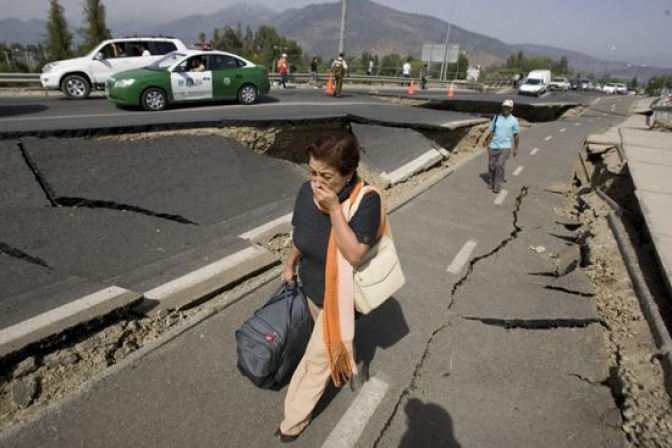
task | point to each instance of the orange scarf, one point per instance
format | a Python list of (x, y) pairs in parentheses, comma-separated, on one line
[(339, 307)]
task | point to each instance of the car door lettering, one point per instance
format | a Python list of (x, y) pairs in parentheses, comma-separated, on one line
[(191, 85)]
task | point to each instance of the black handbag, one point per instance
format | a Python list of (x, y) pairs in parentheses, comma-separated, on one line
[(271, 343)]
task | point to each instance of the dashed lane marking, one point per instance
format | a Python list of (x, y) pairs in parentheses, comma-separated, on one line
[(518, 170), (562, 130), (462, 257), (549, 138), (577, 124), (534, 151), (501, 197), (351, 426)]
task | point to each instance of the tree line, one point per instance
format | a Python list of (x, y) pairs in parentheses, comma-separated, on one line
[(264, 46)]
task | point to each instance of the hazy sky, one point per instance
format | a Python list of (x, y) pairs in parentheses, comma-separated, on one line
[(627, 30)]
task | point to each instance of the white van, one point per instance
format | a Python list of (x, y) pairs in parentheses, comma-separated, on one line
[(77, 77), (536, 83)]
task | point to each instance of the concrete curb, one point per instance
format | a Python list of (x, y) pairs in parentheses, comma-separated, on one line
[(206, 281), (422, 163), (58, 320), (646, 301)]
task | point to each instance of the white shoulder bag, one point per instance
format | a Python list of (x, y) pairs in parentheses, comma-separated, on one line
[(379, 275)]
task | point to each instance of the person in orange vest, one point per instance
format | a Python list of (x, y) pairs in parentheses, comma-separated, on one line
[(283, 69)]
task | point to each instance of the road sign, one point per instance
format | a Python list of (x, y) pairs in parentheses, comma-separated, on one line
[(437, 53)]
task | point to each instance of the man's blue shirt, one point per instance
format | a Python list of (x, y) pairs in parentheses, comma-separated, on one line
[(506, 128)]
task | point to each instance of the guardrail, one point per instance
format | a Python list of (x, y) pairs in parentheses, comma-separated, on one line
[(380, 80), (32, 78), (19, 78)]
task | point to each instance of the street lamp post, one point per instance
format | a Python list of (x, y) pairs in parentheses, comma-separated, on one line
[(344, 13)]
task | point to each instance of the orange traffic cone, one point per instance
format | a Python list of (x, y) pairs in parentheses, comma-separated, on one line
[(330, 86), (451, 90), (411, 88)]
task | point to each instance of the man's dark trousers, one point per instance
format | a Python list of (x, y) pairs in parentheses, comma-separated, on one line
[(496, 164)]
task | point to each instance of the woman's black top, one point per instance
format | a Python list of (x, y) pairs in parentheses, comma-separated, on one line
[(313, 227)]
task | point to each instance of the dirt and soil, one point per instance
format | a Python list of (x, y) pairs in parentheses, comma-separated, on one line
[(637, 376)]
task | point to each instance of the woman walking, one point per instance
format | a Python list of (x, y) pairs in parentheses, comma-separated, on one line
[(323, 240)]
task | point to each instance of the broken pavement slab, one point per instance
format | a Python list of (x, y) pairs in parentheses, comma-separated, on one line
[(190, 179), (396, 153), (207, 280), (58, 320), (533, 387)]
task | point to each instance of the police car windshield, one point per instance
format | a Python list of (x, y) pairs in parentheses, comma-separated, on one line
[(167, 61)]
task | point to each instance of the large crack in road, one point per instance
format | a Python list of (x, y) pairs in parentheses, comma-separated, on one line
[(74, 202), (472, 264), (18, 254)]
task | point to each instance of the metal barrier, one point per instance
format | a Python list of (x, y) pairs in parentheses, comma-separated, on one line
[(31, 78), (380, 80), (19, 78)]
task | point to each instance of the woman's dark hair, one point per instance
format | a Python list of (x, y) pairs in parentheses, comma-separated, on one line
[(338, 149)]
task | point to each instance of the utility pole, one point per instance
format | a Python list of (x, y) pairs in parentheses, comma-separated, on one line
[(341, 45), (444, 64)]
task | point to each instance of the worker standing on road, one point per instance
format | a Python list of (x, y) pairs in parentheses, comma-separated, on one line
[(283, 70), (406, 70), (424, 74), (504, 135), (339, 70)]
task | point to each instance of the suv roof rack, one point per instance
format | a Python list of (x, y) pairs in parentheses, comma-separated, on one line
[(135, 36)]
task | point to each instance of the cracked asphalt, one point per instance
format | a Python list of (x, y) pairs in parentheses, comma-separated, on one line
[(507, 352)]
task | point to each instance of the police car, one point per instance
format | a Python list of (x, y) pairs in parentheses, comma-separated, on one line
[(189, 76)]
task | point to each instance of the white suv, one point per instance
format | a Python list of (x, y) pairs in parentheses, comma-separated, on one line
[(77, 77)]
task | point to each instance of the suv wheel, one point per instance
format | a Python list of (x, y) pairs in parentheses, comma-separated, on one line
[(248, 94), (76, 87), (154, 99)]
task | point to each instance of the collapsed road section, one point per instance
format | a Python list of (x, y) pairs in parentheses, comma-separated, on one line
[(158, 222)]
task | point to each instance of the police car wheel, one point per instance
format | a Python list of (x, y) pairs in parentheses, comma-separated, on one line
[(248, 94), (76, 87), (154, 99)]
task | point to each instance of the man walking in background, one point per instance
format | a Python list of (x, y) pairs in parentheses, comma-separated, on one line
[(504, 136), (283, 70), (339, 69)]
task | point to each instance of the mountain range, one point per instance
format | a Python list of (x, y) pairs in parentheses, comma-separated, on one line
[(371, 27)]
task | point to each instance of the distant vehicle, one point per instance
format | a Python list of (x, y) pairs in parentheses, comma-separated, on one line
[(536, 83), (621, 88), (171, 79), (585, 84), (559, 84), (77, 77), (610, 88)]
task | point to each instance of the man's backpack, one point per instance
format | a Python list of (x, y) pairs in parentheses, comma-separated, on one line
[(338, 69), (271, 343)]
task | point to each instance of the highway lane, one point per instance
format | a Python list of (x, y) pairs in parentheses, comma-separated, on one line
[(24, 115), (21, 115)]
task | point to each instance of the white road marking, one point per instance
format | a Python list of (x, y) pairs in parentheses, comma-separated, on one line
[(549, 138), (462, 257), (501, 197), (180, 284), (423, 162), (562, 130), (255, 233), (66, 315), (534, 151), (577, 124), (352, 424), (518, 170), (200, 109)]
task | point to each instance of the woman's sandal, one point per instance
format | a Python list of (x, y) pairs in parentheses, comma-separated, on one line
[(284, 438)]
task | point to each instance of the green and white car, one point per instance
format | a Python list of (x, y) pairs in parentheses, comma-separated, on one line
[(187, 77)]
